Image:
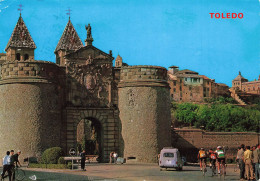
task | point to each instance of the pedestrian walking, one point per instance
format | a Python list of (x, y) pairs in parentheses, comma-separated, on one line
[(83, 160), (6, 166), (256, 161), (240, 156), (12, 164), (248, 156), (16, 158)]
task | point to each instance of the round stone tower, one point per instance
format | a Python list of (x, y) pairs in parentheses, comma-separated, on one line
[(144, 105), (29, 107)]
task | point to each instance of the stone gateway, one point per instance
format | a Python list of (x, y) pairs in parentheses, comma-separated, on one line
[(82, 101)]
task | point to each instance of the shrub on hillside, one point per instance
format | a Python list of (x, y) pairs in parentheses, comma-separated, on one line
[(217, 117)]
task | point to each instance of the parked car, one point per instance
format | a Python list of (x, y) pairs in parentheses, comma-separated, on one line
[(170, 158)]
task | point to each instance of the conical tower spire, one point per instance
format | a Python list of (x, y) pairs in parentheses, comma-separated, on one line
[(20, 37), (20, 45), (68, 42), (69, 39)]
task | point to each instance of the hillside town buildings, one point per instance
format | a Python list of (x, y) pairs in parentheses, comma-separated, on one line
[(189, 86), (242, 84)]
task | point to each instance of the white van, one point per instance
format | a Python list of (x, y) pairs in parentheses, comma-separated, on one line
[(170, 158)]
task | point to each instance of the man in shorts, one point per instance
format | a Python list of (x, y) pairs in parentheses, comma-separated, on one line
[(220, 157), (202, 156), (212, 158)]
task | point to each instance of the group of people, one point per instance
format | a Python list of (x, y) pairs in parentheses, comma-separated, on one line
[(249, 162), (113, 157), (10, 161), (216, 156), (247, 157)]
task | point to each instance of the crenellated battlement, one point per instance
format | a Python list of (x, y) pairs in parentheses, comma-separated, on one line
[(143, 76), (17, 70)]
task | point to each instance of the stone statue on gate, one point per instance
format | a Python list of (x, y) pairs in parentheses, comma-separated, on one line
[(88, 28)]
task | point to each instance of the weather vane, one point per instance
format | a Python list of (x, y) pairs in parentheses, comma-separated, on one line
[(69, 12), (20, 9)]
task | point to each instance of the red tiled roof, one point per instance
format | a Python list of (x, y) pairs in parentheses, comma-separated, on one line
[(186, 71), (205, 77), (222, 84)]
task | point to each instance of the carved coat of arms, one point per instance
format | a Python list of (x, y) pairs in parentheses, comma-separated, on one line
[(90, 83)]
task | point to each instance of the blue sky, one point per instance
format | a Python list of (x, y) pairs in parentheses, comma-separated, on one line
[(164, 33)]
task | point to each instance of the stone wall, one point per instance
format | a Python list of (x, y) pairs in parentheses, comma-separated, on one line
[(189, 141), (144, 112), (29, 118), (30, 109)]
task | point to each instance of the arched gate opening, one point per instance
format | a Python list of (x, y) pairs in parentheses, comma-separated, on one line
[(89, 137)]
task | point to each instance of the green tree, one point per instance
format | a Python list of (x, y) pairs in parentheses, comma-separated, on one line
[(217, 117), (186, 114)]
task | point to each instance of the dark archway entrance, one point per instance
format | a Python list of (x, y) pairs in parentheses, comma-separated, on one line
[(89, 137)]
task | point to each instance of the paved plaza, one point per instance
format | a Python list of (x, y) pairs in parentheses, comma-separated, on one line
[(138, 172)]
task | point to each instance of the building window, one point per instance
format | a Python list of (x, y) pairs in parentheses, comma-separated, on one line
[(26, 57), (190, 88), (172, 95), (207, 89), (174, 90), (180, 80), (191, 94), (180, 89), (180, 94), (186, 79), (18, 56), (208, 83), (203, 95), (174, 83)]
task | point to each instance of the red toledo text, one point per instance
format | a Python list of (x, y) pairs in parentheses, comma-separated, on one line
[(226, 15)]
